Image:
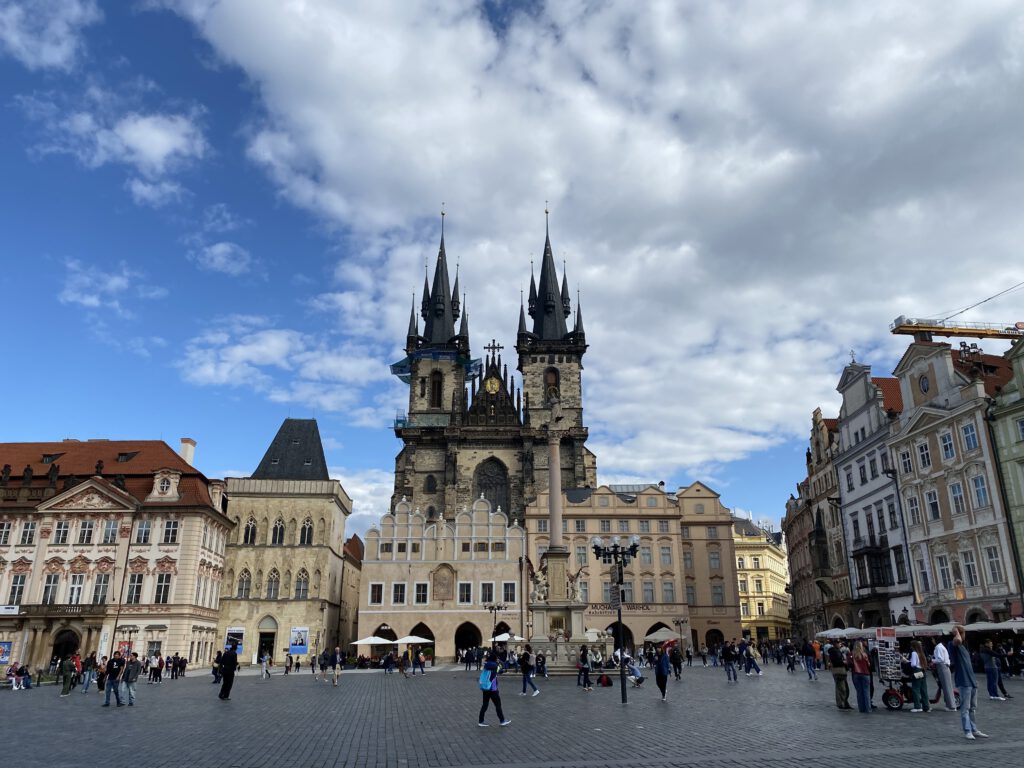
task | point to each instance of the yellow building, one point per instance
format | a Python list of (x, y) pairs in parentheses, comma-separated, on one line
[(762, 573)]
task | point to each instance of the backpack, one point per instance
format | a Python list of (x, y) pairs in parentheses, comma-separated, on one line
[(485, 680)]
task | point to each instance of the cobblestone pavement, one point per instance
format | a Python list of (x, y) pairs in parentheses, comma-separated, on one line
[(780, 719)]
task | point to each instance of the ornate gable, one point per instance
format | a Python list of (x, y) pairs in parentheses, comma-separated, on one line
[(167, 564), (105, 564), (80, 564), (21, 565), (91, 495), (55, 565), (138, 564)]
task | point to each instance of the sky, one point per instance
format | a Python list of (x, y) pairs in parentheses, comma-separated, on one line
[(215, 213)]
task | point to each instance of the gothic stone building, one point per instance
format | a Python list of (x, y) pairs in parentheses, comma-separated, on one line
[(469, 432)]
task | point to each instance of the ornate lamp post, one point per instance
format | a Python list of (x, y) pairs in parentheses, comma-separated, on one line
[(618, 555), (494, 608), (679, 624)]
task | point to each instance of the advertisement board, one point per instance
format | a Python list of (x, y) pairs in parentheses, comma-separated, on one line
[(298, 640), (125, 647), (888, 653), (234, 634), (6, 650)]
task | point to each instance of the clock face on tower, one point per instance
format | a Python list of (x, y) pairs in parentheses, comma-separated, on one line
[(492, 385)]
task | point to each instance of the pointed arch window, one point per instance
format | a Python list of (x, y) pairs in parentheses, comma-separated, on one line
[(273, 585), (278, 534), (250, 532), (436, 381), (306, 534), (245, 584), (302, 585), (491, 480)]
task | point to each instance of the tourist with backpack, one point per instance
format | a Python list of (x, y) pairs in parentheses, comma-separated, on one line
[(488, 683), (527, 667)]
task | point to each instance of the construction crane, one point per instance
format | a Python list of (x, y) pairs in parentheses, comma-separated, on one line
[(925, 329)]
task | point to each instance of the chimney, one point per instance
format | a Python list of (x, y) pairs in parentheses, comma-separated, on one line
[(187, 450)]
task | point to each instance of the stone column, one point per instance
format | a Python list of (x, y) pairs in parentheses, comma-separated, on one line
[(554, 491)]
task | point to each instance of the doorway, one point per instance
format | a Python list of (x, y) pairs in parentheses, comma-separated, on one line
[(267, 633), (65, 643)]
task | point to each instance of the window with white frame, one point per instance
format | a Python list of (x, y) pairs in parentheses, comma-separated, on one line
[(508, 592), (85, 529), (666, 555), (970, 568), (691, 594), (970, 435), (744, 609), (99, 588), (542, 526), (398, 593), (421, 594), (688, 561), (760, 608), (302, 585), (743, 585), (905, 464), (741, 563), (606, 591), (922, 569), (946, 444), (273, 591), (170, 532), (75, 587), (714, 560), (931, 500), (376, 594), (627, 591), (668, 591), (17, 589), (755, 562), (645, 526), (623, 526), (945, 580), (581, 526), (584, 591), (60, 531), (5, 533), (648, 591), (646, 557), (956, 497), (759, 586), (605, 526), (110, 532), (663, 526), (980, 491), (924, 455), (135, 589), (28, 532), (465, 593), (487, 592), (142, 530), (163, 588), (581, 554), (995, 565), (914, 510)]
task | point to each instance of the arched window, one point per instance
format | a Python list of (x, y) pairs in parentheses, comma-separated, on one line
[(273, 585), (491, 480), (244, 584), (278, 536), (430, 484), (302, 585), (436, 381), (740, 563), (552, 384), (431, 512), (306, 534), (250, 532)]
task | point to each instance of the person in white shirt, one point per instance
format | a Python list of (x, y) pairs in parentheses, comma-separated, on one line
[(940, 657)]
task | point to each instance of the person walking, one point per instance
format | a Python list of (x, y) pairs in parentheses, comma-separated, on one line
[(662, 669), (489, 688), (689, 656), (750, 662), (337, 662), (860, 663), (115, 668), (918, 677), (228, 665), (728, 653), (835, 658), (527, 665), (88, 671), (468, 657), (132, 670), (584, 668), (940, 662), (991, 662), (676, 657), (67, 668), (704, 655), (963, 676), (216, 667), (807, 651), (265, 666)]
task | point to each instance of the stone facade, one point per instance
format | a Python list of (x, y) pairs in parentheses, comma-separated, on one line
[(284, 563), (762, 573), (351, 580), (963, 559), (806, 610), (1006, 420), (109, 542), (436, 578), (872, 516)]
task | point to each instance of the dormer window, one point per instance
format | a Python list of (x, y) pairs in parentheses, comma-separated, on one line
[(165, 485), (275, 461), (307, 462), (49, 458), (125, 457), (295, 441)]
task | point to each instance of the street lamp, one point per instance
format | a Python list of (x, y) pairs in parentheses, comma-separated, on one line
[(494, 608), (679, 624), (619, 555)]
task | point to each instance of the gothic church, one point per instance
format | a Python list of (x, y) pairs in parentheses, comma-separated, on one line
[(470, 430)]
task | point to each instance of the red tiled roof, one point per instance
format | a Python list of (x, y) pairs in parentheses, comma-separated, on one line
[(77, 458), (892, 397), (996, 369), (354, 547), (832, 425)]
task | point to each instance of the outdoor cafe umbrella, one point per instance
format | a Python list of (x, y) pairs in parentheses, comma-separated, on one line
[(661, 635), (373, 640), (505, 637), (412, 639)]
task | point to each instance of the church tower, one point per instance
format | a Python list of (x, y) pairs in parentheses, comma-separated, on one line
[(469, 432)]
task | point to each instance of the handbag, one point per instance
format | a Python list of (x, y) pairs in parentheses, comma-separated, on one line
[(918, 674)]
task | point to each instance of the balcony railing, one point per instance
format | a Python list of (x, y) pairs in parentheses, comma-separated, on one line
[(63, 609)]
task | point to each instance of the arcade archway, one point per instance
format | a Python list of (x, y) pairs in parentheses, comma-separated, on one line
[(627, 636), (467, 636), (65, 643)]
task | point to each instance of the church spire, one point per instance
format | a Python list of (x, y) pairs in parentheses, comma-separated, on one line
[(439, 328), (549, 314), (566, 302), (455, 294), (533, 292)]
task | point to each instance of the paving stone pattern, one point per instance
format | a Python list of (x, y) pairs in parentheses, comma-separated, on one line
[(372, 720)]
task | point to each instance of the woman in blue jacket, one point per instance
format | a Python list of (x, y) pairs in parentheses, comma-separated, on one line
[(489, 677), (661, 672)]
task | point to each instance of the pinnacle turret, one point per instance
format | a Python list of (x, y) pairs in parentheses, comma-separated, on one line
[(546, 307)]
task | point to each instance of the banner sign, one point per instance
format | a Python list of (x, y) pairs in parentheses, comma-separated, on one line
[(234, 634), (125, 647), (299, 640), (10, 610), (888, 653), (6, 650)]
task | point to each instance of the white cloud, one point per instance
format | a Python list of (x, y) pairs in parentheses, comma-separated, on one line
[(46, 34), (227, 257), (742, 192), (96, 288), (155, 194), (154, 142), (370, 491)]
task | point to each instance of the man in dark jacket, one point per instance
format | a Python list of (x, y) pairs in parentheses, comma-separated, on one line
[(228, 665), (115, 668), (132, 670)]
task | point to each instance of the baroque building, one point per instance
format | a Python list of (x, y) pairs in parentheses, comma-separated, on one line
[(469, 432), (1005, 417), (762, 574), (285, 563), (964, 562), (107, 545), (805, 565), (872, 516)]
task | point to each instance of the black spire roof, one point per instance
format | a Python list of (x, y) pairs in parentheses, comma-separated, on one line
[(548, 311), (296, 453), (437, 310)]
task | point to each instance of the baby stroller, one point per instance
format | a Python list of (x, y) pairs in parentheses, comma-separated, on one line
[(633, 673)]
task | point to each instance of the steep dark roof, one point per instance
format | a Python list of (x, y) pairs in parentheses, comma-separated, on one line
[(547, 309), (438, 313), (296, 453)]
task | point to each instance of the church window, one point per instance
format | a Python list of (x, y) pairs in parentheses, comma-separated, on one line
[(278, 534), (250, 532), (491, 480), (302, 585), (423, 386), (273, 585), (306, 534), (430, 484), (551, 383), (431, 512), (435, 389), (244, 584)]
